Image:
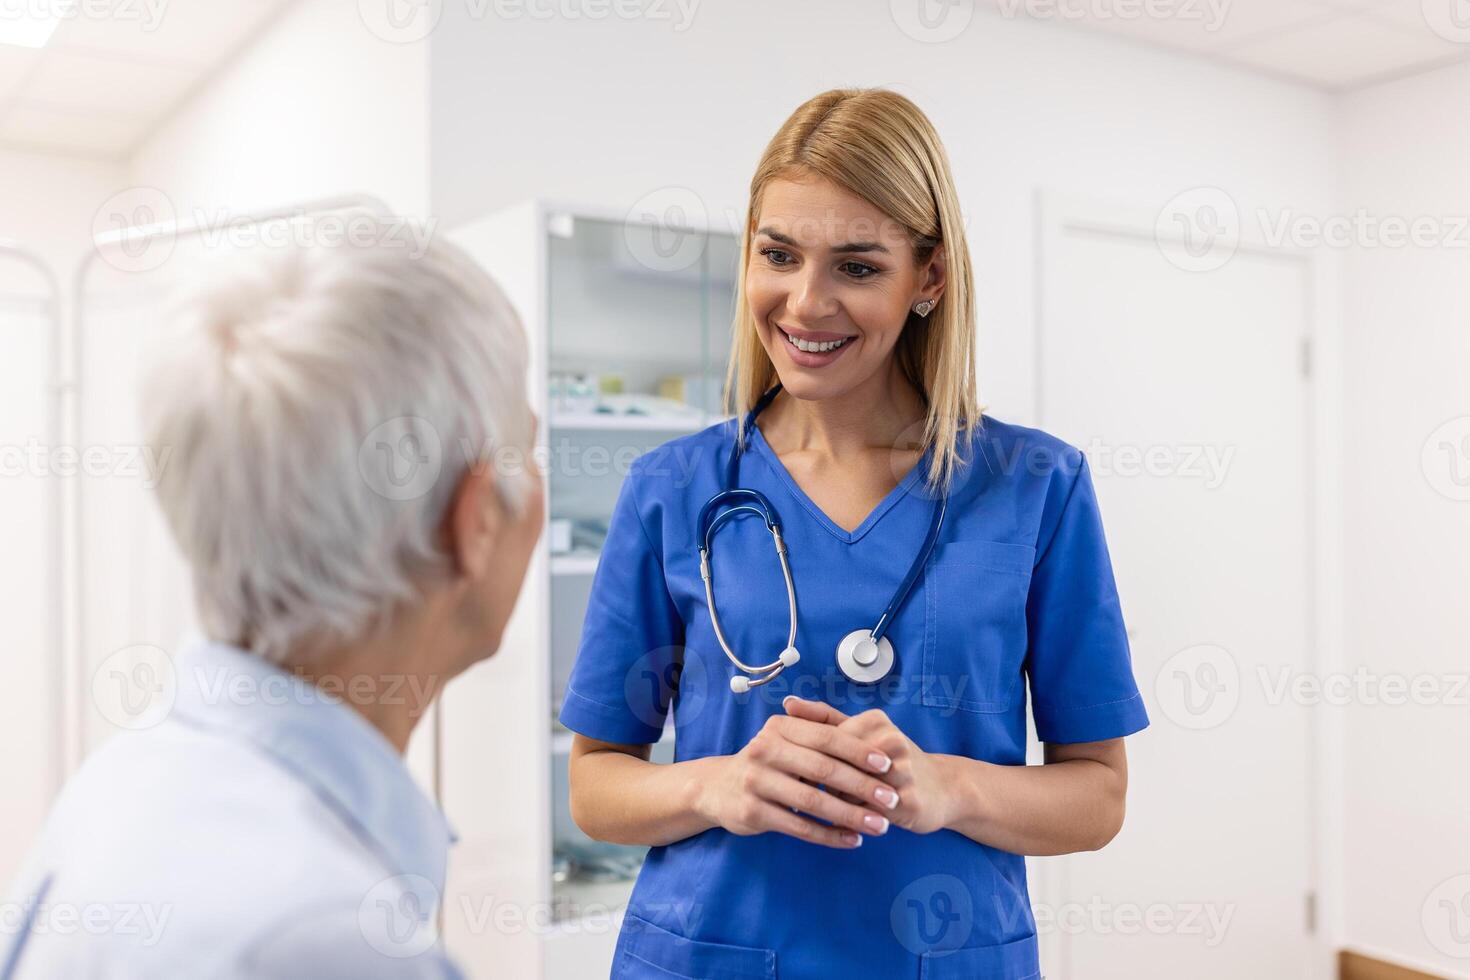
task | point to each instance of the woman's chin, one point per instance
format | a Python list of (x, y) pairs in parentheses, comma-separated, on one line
[(816, 384)]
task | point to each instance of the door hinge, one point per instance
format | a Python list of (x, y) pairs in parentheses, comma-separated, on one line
[(1306, 356), (1311, 911)]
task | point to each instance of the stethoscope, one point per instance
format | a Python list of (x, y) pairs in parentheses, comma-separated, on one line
[(865, 656)]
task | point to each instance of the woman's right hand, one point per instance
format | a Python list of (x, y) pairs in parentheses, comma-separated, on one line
[(757, 789)]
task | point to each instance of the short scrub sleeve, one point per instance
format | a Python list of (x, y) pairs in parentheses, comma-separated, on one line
[(1078, 661), (630, 652)]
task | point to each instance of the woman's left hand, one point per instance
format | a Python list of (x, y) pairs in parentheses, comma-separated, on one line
[(924, 794)]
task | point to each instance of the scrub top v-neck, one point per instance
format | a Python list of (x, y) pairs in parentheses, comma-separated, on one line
[(1019, 591), (906, 486)]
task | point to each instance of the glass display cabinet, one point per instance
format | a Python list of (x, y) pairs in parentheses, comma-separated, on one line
[(629, 323)]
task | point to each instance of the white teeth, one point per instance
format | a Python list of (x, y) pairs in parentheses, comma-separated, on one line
[(815, 348)]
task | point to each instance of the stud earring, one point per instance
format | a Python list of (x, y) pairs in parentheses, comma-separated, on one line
[(923, 306)]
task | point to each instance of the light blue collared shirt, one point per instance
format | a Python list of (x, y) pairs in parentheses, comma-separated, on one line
[(257, 828)]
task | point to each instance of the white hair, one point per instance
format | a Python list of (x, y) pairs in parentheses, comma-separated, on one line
[(322, 404)]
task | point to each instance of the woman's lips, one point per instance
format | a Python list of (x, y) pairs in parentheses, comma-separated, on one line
[(813, 336), (811, 358)]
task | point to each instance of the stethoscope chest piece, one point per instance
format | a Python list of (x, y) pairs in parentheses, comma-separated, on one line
[(863, 660)]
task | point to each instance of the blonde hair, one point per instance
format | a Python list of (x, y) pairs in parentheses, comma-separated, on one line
[(880, 146)]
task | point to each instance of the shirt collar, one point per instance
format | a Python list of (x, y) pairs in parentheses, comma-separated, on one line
[(323, 742)]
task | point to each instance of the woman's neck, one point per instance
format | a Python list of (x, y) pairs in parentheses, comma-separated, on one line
[(392, 676), (875, 414)]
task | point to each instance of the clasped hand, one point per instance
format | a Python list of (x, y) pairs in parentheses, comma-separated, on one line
[(860, 773)]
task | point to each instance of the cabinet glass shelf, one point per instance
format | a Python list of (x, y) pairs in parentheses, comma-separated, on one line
[(638, 326)]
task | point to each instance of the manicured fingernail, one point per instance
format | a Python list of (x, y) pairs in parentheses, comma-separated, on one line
[(879, 761), (886, 796), (853, 840), (875, 823)]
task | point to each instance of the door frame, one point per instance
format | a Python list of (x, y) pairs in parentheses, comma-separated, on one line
[(1059, 212)]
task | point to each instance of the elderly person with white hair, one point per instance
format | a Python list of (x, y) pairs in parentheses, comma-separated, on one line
[(340, 421)]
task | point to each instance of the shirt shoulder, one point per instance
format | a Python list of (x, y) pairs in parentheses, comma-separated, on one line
[(194, 841), (673, 467), (1013, 483), (1017, 451)]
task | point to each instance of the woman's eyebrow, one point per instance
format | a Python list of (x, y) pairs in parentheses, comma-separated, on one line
[(848, 247)]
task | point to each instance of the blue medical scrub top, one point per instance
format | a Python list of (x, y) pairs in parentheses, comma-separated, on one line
[(1020, 587)]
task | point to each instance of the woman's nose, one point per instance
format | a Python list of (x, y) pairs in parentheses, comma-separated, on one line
[(811, 296)]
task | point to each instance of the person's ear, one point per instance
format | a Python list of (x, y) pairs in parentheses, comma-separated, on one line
[(936, 275), (473, 522)]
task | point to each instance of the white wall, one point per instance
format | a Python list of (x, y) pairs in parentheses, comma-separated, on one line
[(48, 204), (1406, 372), (610, 110), (49, 201), (317, 106)]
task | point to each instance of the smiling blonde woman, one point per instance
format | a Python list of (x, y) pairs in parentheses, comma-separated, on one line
[(849, 795)]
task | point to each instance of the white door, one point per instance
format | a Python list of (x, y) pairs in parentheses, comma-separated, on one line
[(1187, 392)]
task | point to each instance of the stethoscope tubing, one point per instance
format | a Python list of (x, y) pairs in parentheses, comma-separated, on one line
[(754, 502), (775, 667)]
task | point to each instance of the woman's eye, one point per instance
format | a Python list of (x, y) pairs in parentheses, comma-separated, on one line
[(858, 270), (772, 253)]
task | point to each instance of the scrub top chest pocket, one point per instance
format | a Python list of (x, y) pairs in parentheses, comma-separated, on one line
[(975, 625)]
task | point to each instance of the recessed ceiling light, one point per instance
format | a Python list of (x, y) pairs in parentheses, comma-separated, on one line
[(30, 23)]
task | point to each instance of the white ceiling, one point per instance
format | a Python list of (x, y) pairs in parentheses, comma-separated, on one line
[(103, 83), (1331, 44)]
